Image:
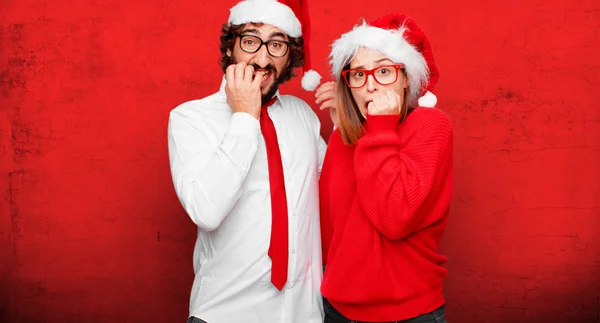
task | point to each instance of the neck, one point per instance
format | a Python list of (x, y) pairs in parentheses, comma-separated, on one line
[(266, 102)]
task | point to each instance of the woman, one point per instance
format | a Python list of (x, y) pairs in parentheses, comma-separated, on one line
[(387, 178)]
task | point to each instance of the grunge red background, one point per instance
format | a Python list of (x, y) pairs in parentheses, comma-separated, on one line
[(90, 227)]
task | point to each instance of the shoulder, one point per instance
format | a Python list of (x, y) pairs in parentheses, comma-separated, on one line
[(199, 108), (426, 125), (293, 100), (299, 107), (423, 118), (431, 113), (335, 139)]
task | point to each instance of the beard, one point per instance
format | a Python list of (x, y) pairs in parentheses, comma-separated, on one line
[(278, 79), (272, 90)]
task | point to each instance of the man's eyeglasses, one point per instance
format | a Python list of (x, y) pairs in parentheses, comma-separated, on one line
[(384, 75), (252, 44)]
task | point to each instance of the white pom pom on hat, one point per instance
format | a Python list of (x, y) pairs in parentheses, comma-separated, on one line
[(311, 80)]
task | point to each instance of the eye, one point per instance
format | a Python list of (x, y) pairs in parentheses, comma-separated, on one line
[(384, 71), (249, 41), (358, 74), (276, 44)]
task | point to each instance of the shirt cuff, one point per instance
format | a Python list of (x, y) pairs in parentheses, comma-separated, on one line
[(244, 124)]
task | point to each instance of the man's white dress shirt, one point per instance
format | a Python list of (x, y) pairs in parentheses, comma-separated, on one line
[(220, 173)]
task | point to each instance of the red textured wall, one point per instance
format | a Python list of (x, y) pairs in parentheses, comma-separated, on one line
[(91, 230)]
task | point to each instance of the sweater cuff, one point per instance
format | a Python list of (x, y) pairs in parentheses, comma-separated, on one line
[(382, 123)]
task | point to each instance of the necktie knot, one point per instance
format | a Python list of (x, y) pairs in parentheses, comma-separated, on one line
[(269, 103), (265, 106)]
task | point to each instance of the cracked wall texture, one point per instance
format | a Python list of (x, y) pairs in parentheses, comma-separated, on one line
[(91, 230)]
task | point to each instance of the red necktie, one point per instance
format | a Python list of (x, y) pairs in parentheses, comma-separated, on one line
[(278, 249)]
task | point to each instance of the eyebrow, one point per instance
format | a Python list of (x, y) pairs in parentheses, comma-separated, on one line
[(278, 34), (251, 31), (362, 67), (255, 32)]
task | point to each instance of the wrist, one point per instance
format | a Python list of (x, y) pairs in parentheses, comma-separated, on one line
[(382, 122), (244, 123)]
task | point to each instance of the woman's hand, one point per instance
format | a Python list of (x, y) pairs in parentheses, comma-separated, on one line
[(326, 97), (386, 103)]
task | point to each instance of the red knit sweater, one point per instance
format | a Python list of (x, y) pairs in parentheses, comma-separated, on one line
[(384, 207)]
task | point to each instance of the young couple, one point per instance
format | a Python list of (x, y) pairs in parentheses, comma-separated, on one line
[(274, 204)]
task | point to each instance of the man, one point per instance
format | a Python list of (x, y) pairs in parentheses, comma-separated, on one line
[(245, 164)]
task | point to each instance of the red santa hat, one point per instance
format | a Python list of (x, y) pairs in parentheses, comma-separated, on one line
[(402, 40), (291, 16)]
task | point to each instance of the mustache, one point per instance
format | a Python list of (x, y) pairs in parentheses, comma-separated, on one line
[(268, 68)]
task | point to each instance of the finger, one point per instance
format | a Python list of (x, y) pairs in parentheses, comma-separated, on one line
[(249, 74), (392, 101), (258, 78), (325, 87), (327, 104), (378, 101), (324, 97), (389, 95), (370, 107), (329, 84), (239, 73), (325, 94), (229, 74)]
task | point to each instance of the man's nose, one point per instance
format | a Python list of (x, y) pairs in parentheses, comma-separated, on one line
[(262, 56)]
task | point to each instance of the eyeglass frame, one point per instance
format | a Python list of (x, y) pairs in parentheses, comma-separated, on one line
[(262, 42), (397, 68)]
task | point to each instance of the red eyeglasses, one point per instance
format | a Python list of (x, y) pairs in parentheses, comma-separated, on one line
[(384, 75)]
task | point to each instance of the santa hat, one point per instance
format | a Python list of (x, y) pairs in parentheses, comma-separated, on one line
[(399, 38), (291, 16)]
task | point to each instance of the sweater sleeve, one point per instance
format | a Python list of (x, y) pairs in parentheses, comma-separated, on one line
[(325, 196), (396, 176)]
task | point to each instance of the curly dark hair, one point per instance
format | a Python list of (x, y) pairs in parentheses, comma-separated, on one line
[(296, 52)]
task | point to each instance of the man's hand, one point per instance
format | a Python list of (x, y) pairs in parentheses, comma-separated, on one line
[(389, 102), (326, 96), (242, 92)]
